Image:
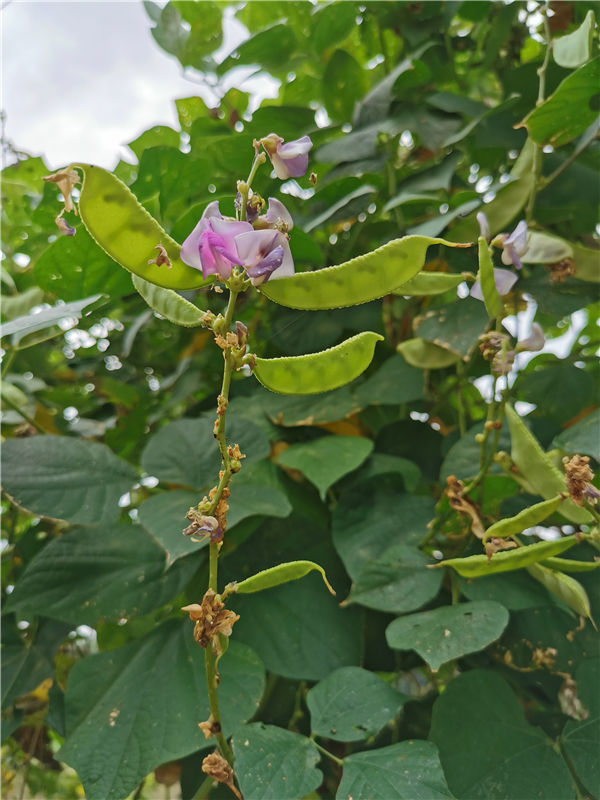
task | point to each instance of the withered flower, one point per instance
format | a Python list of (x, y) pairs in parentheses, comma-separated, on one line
[(65, 182), (216, 767), (162, 259), (496, 543), (209, 727), (202, 526), (579, 477), (212, 620), (461, 504)]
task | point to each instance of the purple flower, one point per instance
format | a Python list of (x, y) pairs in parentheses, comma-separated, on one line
[(504, 280), (218, 243), (513, 245), (289, 160), (534, 342)]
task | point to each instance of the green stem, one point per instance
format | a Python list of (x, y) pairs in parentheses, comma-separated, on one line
[(335, 759), (213, 701), (7, 360), (537, 151), (244, 187), (462, 416), (25, 416)]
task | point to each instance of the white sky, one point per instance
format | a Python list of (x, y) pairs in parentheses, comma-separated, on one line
[(82, 78)]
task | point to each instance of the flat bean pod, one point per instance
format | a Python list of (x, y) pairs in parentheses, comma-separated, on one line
[(491, 298), (282, 573), (508, 560), (570, 565), (359, 280), (564, 587), (318, 372), (536, 466), (524, 519), (425, 284), (169, 304), (426, 355), (128, 233)]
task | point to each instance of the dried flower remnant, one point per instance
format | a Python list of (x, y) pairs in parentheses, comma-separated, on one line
[(579, 476), (561, 270), (212, 620), (496, 543), (216, 767), (162, 259), (494, 347), (210, 727), (202, 526), (461, 504), (63, 226), (534, 342), (66, 182)]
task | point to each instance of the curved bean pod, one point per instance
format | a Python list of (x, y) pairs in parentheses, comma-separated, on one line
[(359, 280), (128, 233), (275, 576), (169, 304), (318, 372)]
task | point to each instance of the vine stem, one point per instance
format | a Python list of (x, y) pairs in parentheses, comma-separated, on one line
[(335, 759), (537, 151), (244, 186), (211, 670)]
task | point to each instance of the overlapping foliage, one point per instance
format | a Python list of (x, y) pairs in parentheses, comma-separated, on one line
[(475, 679)]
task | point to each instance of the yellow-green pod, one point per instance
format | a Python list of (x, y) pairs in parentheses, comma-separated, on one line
[(359, 280), (508, 560), (570, 565), (564, 587), (128, 233), (537, 467), (282, 573), (524, 519), (426, 355), (318, 372), (426, 284), (491, 298), (169, 304)]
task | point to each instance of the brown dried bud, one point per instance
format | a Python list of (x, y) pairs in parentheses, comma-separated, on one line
[(313, 178), (561, 270), (65, 182), (490, 344), (216, 767), (210, 727), (242, 334), (162, 259), (496, 543), (212, 620), (579, 477)]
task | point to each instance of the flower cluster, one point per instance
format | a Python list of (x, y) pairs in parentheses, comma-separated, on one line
[(259, 243), (514, 245)]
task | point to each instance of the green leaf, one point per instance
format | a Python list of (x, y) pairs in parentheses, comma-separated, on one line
[(462, 459), (164, 516), (352, 704), (514, 590), (507, 560), (454, 326), (144, 688), (425, 355), (397, 581), (169, 304), (74, 267), (562, 390), (574, 49), (184, 452), (19, 305), (582, 437), (527, 518), (449, 632), (537, 468), (282, 573), (250, 500), (155, 137), (426, 284), (493, 303), (318, 372), (359, 280), (117, 571), (324, 461), (569, 110), (65, 478), (330, 25), (567, 589), (581, 739), (293, 410), (274, 764), (21, 326), (127, 232), (394, 382), (344, 82), (271, 48), (492, 726), (587, 263), (543, 248), (409, 769)]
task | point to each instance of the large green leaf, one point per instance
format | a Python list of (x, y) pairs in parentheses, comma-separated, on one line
[(569, 111), (318, 372), (113, 572), (324, 461), (344, 82), (448, 632), (396, 581), (65, 478), (582, 437), (185, 453), (131, 709), (164, 516), (487, 749), (410, 769), (581, 739), (274, 764), (455, 326), (364, 278), (352, 704), (394, 382), (48, 317), (74, 267)]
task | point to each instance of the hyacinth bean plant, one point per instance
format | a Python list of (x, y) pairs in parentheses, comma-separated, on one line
[(309, 521)]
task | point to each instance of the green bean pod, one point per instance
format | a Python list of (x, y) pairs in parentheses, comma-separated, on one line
[(169, 304), (491, 298), (570, 565), (508, 560), (359, 280), (524, 519), (282, 573), (564, 587), (426, 355), (318, 372), (425, 284), (128, 233)]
